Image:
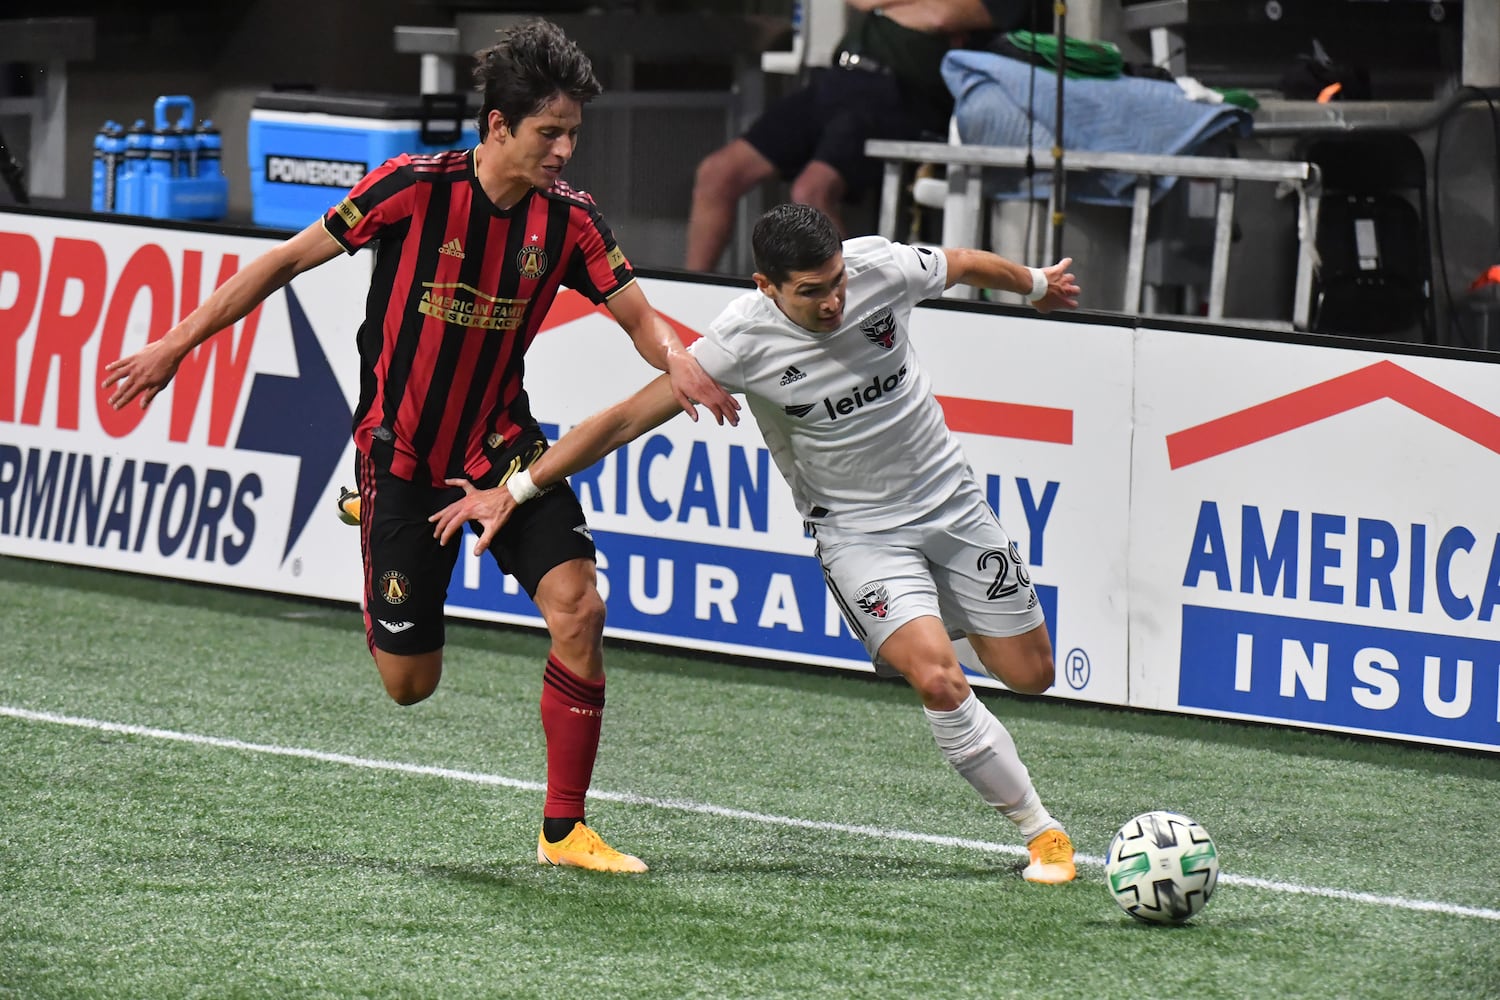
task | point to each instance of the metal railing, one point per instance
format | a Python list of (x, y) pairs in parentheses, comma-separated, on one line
[(964, 206)]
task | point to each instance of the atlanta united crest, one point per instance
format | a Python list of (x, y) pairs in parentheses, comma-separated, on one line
[(395, 587), (874, 600), (532, 261), (881, 329)]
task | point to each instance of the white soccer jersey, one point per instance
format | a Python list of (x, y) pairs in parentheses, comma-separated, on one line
[(849, 415)]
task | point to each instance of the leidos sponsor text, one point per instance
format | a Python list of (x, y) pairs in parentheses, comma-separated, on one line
[(860, 395)]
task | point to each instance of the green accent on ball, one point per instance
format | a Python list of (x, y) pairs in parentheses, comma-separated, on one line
[(1192, 860), (1124, 874)]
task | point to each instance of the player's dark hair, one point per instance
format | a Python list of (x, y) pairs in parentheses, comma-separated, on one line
[(791, 238), (532, 63)]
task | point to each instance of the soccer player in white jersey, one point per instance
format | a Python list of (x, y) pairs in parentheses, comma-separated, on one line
[(909, 547)]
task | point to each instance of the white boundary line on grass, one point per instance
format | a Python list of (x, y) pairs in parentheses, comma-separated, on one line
[(708, 809)]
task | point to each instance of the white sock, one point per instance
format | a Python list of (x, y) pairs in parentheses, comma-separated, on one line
[(981, 749)]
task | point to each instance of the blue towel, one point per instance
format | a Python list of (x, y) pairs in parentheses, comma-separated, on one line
[(1125, 115)]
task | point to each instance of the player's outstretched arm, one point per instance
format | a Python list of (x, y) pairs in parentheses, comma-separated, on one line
[(578, 449), (1046, 288), (659, 344), (146, 372)]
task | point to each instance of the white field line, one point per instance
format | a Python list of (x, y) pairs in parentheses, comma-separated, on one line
[(708, 809)]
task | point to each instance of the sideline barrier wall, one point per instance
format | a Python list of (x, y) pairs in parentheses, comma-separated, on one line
[(1297, 532)]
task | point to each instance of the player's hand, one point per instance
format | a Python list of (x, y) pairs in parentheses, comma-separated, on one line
[(1062, 288), (144, 373), (692, 385), (491, 508)]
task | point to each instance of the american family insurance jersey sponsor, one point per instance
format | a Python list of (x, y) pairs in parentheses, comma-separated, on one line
[(848, 415), (459, 289)]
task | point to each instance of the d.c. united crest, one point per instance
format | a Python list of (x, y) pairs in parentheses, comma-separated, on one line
[(880, 329), (874, 600)]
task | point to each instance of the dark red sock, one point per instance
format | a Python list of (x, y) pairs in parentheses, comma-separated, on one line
[(572, 713)]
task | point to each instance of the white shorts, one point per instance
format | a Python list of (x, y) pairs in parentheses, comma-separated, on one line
[(956, 564)]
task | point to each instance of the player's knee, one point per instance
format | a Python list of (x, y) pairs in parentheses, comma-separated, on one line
[(1032, 675), (820, 186), (406, 693), (577, 621), (406, 682), (718, 176), (940, 687), (813, 191)]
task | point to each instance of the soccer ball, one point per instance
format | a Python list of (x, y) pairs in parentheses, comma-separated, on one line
[(1162, 867)]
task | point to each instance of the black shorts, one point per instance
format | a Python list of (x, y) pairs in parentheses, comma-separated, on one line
[(829, 120), (407, 571)]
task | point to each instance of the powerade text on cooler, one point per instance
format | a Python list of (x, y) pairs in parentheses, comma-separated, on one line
[(307, 148)]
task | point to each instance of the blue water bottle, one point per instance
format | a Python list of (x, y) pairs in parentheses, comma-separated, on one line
[(161, 153), (109, 154), (206, 195), (128, 198), (161, 169), (184, 151), (210, 145), (167, 157)]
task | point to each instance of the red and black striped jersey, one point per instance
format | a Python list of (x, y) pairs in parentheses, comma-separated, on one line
[(459, 289)]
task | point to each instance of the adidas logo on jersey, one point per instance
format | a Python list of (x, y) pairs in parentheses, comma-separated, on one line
[(791, 375), (453, 248)]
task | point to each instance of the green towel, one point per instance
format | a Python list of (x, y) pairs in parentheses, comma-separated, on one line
[(1101, 60), (1239, 98)]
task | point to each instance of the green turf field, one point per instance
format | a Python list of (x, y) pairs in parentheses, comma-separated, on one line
[(206, 794)]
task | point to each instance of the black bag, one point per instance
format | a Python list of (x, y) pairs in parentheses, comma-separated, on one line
[(1374, 269), (1371, 279)]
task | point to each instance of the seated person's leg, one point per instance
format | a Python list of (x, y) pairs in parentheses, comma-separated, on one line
[(722, 178), (779, 143), (863, 106)]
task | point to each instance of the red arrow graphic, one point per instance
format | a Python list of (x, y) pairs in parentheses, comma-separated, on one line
[(1382, 380)]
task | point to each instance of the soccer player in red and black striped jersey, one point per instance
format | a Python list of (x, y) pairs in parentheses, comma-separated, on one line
[(471, 247)]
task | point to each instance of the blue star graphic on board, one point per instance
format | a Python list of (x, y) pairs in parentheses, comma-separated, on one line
[(305, 416)]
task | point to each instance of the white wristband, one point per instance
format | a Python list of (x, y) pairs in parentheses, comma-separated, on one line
[(1038, 284), (521, 487)]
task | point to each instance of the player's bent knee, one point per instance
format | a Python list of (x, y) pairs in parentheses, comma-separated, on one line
[(940, 688), (820, 186), (577, 621), (814, 194), (1032, 676), (409, 679), (407, 695), (719, 175)]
